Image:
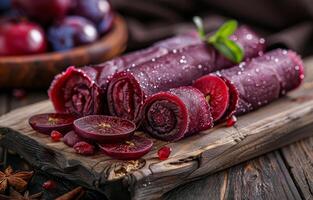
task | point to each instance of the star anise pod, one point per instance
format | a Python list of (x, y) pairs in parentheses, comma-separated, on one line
[(74, 194), (18, 196), (15, 195), (18, 180)]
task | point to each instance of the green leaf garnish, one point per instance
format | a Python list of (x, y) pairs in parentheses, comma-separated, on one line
[(230, 50), (199, 24), (226, 30), (220, 40)]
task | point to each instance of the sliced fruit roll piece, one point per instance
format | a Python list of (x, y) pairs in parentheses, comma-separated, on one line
[(48, 122), (177, 113), (82, 91), (257, 82), (101, 128), (128, 90), (131, 149), (216, 94)]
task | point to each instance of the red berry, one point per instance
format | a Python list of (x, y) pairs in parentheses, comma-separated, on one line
[(19, 94), (164, 153), (49, 185), (84, 148), (231, 121), (56, 136)]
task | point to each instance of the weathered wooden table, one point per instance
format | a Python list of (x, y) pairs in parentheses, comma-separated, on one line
[(286, 173)]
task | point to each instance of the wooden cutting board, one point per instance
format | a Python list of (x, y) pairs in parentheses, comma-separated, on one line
[(280, 123)]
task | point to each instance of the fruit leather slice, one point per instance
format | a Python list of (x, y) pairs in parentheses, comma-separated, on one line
[(128, 89), (176, 113), (259, 81), (81, 91)]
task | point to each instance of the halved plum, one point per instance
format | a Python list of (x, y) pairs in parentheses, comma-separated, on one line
[(48, 122), (131, 149), (216, 93), (104, 129)]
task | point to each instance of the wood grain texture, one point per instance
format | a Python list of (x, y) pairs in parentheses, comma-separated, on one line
[(3, 104), (265, 178), (205, 153), (37, 71), (299, 159)]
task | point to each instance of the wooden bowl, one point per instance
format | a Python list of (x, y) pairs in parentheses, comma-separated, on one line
[(37, 71)]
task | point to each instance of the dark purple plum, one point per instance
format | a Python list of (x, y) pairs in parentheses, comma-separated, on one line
[(94, 10), (44, 11), (5, 5), (71, 32), (104, 129), (48, 122), (131, 149), (21, 38), (106, 23)]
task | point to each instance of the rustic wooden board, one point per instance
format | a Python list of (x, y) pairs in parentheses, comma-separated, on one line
[(256, 133), (265, 177), (3, 104), (299, 157)]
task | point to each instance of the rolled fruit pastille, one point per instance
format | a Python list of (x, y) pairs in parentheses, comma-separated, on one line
[(176, 113), (128, 90), (256, 83), (82, 91)]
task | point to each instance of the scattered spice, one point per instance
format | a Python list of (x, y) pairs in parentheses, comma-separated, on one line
[(49, 185), (76, 194), (124, 167), (18, 180), (164, 153)]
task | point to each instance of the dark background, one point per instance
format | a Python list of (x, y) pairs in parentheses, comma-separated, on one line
[(284, 23)]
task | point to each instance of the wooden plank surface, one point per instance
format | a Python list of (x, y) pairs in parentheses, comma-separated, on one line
[(3, 104), (299, 159), (208, 152), (265, 177)]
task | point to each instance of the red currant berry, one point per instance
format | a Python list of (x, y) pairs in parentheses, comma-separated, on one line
[(49, 185), (19, 94), (56, 136), (231, 121), (164, 152), (84, 148)]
